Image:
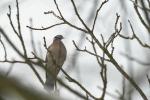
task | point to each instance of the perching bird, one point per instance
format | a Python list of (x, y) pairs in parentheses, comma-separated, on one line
[(56, 55)]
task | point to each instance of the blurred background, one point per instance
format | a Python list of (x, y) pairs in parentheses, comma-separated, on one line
[(81, 66)]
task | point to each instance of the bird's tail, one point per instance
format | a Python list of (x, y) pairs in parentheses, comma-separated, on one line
[(49, 83)]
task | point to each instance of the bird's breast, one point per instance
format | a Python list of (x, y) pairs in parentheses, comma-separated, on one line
[(57, 53)]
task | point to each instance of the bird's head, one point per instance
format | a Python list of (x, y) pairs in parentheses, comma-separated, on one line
[(60, 37)]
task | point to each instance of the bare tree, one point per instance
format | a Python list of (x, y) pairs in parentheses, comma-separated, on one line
[(97, 41)]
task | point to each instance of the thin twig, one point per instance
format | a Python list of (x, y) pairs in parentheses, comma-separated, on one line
[(53, 13), (45, 28), (10, 42), (65, 21), (35, 71), (78, 84), (5, 52), (146, 13), (140, 42), (89, 52), (148, 9), (140, 16), (109, 94), (19, 29), (76, 12), (116, 33), (97, 12), (10, 20), (134, 36)]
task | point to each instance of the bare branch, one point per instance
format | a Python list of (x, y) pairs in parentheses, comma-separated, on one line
[(35, 72), (147, 9), (19, 34), (76, 12), (5, 52), (146, 13), (77, 83), (11, 23), (52, 12), (58, 9), (140, 17), (64, 20), (10, 42), (97, 12), (114, 62), (61, 23), (45, 28), (116, 33), (135, 37), (19, 29), (89, 52)]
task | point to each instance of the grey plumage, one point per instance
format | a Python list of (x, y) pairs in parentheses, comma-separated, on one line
[(55, 58)]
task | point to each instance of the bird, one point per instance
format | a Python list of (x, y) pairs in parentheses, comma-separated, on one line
[(55, 58)]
